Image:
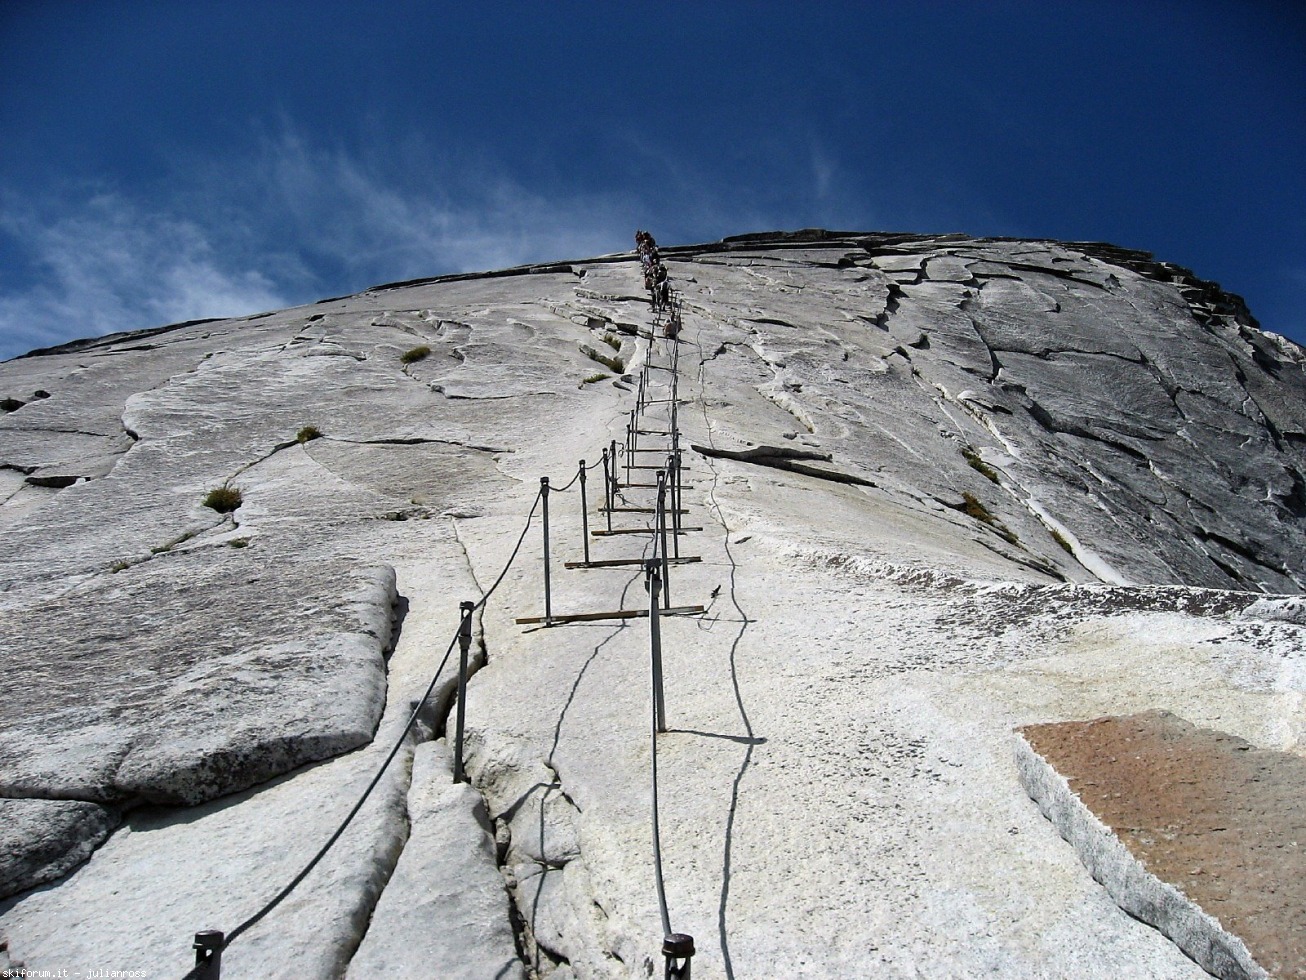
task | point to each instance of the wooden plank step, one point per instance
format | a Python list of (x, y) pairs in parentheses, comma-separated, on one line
[(626, 562), (639, 510), (639, 530), (562, 620)]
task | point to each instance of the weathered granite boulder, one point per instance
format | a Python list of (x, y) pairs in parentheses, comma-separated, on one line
[(43, 839)]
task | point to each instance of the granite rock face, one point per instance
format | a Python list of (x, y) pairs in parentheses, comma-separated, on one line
[(948, 486), (43, 839)]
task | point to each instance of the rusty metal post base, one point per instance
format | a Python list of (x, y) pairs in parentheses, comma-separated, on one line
[(678, 948), (208, 955)]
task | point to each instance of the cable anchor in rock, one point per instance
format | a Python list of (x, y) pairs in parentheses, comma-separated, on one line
[(208, 955), (548, 597), (678, 949), (464, 647)]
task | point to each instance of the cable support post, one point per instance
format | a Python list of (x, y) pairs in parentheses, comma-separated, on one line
[(616, 473), (662, 537), (673, 465), (677, 495), (548, 599), (653, 581), (678, 951), (658, 720), (208, 955), (609, 463), (464, 648), (632, 440), (584, 514)]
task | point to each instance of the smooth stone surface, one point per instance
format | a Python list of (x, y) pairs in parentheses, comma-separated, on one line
[(41, 840), (1209, 814), (444, 911), (113, 706)]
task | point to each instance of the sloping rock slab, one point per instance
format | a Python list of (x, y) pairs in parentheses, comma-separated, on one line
[(192, 675), (43, 839), (1182, 824), (444, 910)]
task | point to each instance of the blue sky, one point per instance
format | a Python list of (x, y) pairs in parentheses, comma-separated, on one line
[(164, 161)]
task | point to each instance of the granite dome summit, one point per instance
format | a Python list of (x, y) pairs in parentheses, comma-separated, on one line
[(947, 486)]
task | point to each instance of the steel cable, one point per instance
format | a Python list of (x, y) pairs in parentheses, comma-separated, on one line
[(258, 916), (588, 467)]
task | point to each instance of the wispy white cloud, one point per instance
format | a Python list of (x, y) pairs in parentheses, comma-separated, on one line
[(109, 265), (289, 220), (417, 212), (284, 224)]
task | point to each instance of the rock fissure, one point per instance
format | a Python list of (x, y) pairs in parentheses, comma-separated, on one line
[(794, 464)]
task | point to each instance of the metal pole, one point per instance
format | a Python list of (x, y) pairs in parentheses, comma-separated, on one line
[(208, 955), (616, 487), (679, 487), (662, 533), (607, 481), (652, 579), (584, 514), (464, 646), (630, 442), (678, 946), (673, 464), (548, 600)]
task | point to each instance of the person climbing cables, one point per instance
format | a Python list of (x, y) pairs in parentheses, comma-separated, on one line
[(672, 330), (661, 288)]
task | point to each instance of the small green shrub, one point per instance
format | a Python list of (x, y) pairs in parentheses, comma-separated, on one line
[(416, 354), (1060, 539), (974, 508), (308, 433), (179, 539), (224, 499), (977, 464), (614, 364), (596, 377), (612, 340), (120, 566), (238, 543)]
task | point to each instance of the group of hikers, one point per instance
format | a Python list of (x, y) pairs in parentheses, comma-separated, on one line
[(655, 273)]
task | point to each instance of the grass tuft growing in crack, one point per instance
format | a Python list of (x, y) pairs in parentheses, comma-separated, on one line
[(978, 464), (614, 364), (180, 539), (612, 340), (418, 353), (224, 499), (308, 433), (973, 507), (595, 377), (1060, 539)]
